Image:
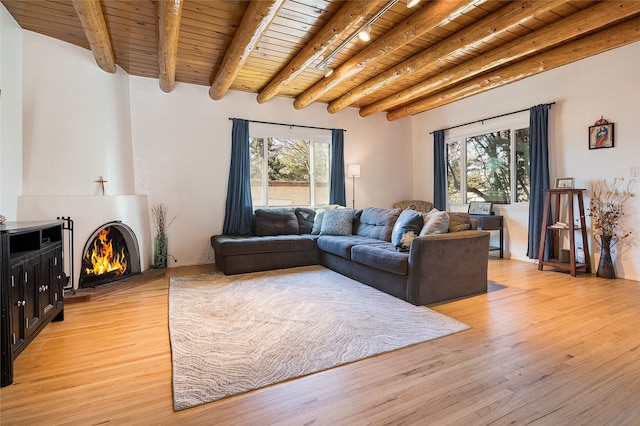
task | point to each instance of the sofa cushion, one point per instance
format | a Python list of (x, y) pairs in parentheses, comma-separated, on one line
[(281, 221), (407, 227), (337, 222), (381, 256), (229, 245), (341, 245), (435, 222), (459, 221), (376, 222), (305, 218)]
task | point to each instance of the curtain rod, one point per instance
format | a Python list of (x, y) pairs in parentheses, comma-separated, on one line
[(289, 125), (490, 118)]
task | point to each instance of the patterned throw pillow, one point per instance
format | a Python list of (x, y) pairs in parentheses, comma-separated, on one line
[(337, 222), (407, 227), (436, 222)]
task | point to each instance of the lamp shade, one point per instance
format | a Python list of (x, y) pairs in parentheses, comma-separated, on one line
[(353, 170)]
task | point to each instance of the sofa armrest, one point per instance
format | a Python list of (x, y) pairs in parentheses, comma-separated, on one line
[(447, 266)]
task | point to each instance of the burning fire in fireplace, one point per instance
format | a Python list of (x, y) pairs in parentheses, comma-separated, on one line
[(102, 257)]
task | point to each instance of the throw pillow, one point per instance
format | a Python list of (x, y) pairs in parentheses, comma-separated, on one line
[(337, 222), (459, 221), (305, 218), (407, 227), (317, 222), (436, 222)]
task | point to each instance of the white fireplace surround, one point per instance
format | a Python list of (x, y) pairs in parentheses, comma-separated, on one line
[(88, 213)]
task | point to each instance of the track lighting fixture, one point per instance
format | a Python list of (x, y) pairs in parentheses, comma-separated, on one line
[(411, 3), (365, 33)]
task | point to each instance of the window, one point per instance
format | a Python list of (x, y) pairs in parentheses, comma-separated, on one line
[(491, 164), (288, 169)]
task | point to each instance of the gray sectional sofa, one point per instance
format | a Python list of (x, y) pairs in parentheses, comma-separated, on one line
[(422, 266)]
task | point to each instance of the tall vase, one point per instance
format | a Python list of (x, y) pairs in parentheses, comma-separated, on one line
[(160, 244), (605, 266)]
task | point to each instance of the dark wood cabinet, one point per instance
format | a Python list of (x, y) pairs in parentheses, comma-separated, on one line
[(31, 268)]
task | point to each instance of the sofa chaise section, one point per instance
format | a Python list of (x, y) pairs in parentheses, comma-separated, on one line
[(241, 254)]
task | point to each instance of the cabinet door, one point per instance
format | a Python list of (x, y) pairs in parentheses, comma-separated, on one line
[(31, 295), (50, 285), (17, 310)]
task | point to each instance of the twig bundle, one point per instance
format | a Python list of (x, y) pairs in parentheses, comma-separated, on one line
[(606, 205), (159, 215)]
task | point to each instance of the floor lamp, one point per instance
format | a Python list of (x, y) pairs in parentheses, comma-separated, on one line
[(353, 171)]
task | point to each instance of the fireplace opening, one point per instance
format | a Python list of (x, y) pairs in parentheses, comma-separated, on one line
[(110, 254)]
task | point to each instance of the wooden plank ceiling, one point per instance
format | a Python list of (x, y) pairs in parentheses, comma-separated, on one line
[(417, 59)]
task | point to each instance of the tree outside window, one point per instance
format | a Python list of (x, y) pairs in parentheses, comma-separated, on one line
[(496, 167), (288, 172)]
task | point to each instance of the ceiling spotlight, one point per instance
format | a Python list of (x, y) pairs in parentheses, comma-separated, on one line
[(365, 33), (411, 3), (327, 69)]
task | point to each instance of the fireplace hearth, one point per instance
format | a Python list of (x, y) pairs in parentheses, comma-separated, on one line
[(110, 254)]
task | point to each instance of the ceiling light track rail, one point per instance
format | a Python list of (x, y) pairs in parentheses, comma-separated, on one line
[(375, 17), (490, 118)]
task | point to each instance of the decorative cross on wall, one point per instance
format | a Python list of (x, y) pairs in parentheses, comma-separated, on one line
[(101, 181)]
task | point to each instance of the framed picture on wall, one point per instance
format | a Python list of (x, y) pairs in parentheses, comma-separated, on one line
[(480, 207), (601, 135)]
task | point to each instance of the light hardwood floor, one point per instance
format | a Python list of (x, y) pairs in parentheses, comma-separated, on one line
[(547, 350)]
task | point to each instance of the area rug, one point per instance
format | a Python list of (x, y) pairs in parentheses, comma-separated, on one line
[(233, 334)]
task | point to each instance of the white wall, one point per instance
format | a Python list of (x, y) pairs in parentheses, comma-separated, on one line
[(76, 122), (182, 148), (604, 85), (10, 114)]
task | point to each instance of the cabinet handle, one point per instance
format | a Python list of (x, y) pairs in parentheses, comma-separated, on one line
[(26, 277), (19, 303), (13, 284), (24, 302)]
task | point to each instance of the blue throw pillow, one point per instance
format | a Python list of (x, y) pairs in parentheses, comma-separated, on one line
[(407, 227)]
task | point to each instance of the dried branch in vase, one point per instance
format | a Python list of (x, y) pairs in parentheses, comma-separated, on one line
[(606, 206), (159, 215)]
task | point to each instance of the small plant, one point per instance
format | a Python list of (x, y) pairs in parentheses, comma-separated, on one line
[(159, 215)]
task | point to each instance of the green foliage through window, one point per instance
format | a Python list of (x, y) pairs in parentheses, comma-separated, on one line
[(496, 167)]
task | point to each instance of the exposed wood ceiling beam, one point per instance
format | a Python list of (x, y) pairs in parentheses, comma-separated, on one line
[(411, 28), (169, 14), (504, 19), (611, 38), (255, 22), (350, 15), (573, 26), (95, 29)]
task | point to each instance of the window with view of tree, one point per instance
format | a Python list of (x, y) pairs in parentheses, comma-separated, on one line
[(496, 167), (286, 171)]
